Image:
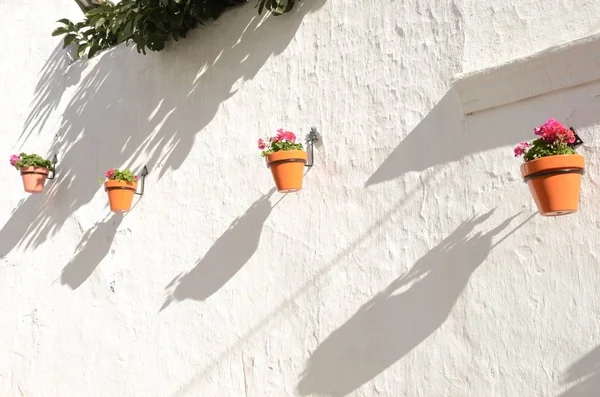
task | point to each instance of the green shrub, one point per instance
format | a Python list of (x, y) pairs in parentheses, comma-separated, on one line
[(148, 23)]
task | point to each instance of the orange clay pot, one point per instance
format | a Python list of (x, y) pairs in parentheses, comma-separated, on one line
[(287, 167), (554, 182), (120, 194), (34, 178)]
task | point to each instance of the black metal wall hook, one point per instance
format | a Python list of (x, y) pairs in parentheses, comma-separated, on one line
[(578, 140), (143, 181), (311, 138), (54, 162)]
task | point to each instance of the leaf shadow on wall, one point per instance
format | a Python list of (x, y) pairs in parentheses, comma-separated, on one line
[(131, 110), (392, 324), (441, 138), (93, 247), (585, 373), (57, 75), (225, 258)]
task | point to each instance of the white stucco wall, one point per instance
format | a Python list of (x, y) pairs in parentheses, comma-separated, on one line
[(412, 264)]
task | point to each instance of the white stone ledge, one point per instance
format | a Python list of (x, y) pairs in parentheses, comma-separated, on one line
[(555, 68)]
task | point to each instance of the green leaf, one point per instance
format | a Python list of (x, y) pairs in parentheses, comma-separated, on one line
[(289, 6), (94, 11), (125, 33), (81, 50), (65, 21), (69, 39), (59, 31), (93, 50), (156, 43), (99, 22)]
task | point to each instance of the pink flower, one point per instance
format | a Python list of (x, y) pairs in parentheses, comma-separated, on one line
[(521, 148), (290, 136), (285, 135), (570, 136), (261, 144), (552, 131), (110, 173), (136, 178), (14, 159)]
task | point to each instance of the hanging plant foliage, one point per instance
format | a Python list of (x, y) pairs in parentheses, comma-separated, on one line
[(148, 23)]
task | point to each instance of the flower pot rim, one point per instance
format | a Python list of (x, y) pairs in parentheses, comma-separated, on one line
[(556, 162), (120, 185), (287, 155), (39, 170), (554, 156), (117, 182)]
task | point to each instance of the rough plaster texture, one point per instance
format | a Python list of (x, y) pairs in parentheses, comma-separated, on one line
[(413, 263)]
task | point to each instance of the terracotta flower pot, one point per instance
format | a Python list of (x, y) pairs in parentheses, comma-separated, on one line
[(120, 194), (287, 167), (34, 178), (554, 182)]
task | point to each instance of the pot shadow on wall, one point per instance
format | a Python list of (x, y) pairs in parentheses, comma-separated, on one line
[(440, 138), (585, 373), (225, 258), (392, 324), (92, 248), (131, 110)]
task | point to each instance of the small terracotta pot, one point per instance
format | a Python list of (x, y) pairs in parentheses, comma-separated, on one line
[(120, 194), (554, 182), (287, 167), (34, 178)]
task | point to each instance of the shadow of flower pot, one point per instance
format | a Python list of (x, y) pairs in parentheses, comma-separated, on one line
[(91, 250), (225, 258)]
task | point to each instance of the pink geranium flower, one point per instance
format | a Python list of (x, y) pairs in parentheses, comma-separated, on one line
[(284, 140), (553, 139), (552, 131), (14, 159), (110, 173), (521, 148), (261, 144), (287, 136)]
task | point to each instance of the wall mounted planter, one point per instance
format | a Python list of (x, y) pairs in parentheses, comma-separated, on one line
[(287, 168), (120, 194), (288, 161), (34, 178), (555, 182)]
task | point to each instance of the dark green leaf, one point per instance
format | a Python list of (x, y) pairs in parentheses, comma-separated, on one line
[(94, 11), (69, 39), (59, 31), (93, 50), (126, 32), (289, 6), (65, 21), (81, 50)]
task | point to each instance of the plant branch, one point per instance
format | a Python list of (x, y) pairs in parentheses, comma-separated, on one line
[(147, 23)]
